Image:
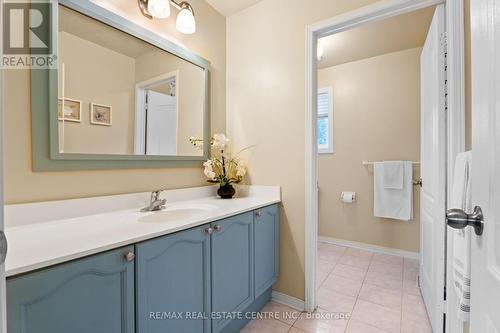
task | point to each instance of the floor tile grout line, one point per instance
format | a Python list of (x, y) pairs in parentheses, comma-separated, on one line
[(326, 278), (331, 272), (357, 298), (365, 282)]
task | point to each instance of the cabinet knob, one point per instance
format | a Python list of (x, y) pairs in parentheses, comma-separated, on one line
[(258, 213), (218, 228), (129, 256), (209, 231)]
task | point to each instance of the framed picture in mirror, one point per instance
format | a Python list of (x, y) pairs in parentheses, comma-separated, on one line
[(72, 110), (100, 114)]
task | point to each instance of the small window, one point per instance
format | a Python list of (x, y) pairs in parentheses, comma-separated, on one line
[(325, 121)]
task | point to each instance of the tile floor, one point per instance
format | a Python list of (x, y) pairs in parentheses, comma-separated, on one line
[(358, 292)]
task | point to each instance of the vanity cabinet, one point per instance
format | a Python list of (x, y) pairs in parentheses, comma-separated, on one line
[(232, 267), (94, 294), (267, 241), (186, 282), (173, 276)]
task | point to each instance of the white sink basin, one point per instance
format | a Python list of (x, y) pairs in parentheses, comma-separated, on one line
[(176, 213)]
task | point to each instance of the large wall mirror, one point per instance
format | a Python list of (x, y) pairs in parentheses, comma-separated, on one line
[(123, 94)]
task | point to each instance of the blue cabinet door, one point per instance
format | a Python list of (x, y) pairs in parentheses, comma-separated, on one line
[(173, 283), (232, 267), (266, 248), (94, 294)]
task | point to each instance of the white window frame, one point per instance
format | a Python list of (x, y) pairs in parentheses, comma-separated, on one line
[(329, 149)]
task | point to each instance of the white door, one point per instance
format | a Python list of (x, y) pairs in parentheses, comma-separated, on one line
[(433, 172), (161, 128), (485, 279)]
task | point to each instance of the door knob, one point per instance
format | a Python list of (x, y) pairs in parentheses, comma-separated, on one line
[(129, 256), (458, 219)]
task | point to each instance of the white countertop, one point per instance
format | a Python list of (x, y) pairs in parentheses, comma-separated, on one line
[(48, 242)]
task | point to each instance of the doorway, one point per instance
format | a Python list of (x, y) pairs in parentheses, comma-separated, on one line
[(156, 115), (453, 143)]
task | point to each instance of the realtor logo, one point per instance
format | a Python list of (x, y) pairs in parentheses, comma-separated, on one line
[(27, 35)]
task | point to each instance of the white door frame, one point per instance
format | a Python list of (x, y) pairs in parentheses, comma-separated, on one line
[(140, 112), (456, 137), (3, 292), (455, 120)]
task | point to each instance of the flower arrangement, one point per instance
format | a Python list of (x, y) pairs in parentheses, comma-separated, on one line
[(222, 168)]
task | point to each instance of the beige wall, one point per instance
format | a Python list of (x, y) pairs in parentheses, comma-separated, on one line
[(24, 185), (95, 74), (376, 105), (266, 108)]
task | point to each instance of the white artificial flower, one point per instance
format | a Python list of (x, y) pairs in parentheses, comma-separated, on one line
[(241, 169), (209, 172), (220, 141)]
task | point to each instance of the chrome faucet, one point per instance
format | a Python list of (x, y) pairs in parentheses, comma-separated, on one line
[(155, 203)]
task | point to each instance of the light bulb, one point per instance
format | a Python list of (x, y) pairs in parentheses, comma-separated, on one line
[(185, 20), (159, 8)]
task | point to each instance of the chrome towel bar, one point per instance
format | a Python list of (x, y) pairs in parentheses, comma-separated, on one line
[(415, 182)]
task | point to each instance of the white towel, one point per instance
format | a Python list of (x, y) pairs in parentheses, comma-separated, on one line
[(394, 174), (393, 203), (461, 197)]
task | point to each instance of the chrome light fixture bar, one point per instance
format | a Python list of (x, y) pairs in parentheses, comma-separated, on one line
[(185, 22)]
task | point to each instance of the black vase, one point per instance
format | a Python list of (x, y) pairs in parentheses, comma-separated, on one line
[(226, 191)]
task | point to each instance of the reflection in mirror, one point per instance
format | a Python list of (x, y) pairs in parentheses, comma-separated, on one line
[(121, 95)]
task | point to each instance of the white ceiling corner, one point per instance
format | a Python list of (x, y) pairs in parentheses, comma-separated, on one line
[(231, 7)]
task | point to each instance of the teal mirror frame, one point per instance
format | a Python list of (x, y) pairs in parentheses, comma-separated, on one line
[(44, 123)]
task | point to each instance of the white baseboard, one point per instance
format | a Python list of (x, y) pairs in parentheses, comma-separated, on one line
[(290, 301), (370, 247)]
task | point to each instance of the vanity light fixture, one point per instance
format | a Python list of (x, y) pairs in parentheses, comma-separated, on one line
[(159, 8), (185, 22)]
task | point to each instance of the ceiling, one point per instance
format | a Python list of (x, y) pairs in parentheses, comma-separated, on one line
[(230, 7), (398, 33), (101, 34)]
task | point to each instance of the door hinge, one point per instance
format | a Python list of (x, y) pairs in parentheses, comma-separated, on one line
[(444, 44), (444, 40), (445, 300)]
